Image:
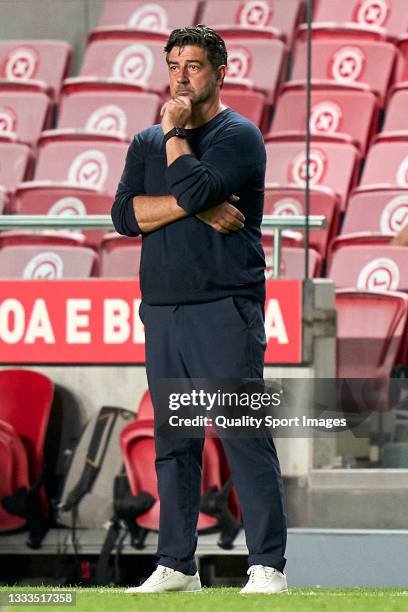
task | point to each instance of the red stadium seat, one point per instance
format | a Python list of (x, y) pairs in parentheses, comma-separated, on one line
[(290, 200), (45, 61), (120, 256), (125, 111), (14, 466), (136, 58), (138, 450), (249, 53), (369, 267), (387, 162), (159, 15), (145, 411), (348, 56), (25, 403), (94, 163), (29, 258), (15, 161), (392, 16), (396, 116), (249, 103), (292, 261), (24, 114), (336, 109), (370, 328), (377, 210), (332, 164), (41, 198), (279, 16)]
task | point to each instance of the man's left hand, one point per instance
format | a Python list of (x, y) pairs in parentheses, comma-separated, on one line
[(175, 113)]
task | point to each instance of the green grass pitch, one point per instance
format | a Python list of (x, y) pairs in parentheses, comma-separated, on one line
[(229, 600)]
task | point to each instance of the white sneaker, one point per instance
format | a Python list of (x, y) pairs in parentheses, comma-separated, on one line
[(164, 579), (264, 579)]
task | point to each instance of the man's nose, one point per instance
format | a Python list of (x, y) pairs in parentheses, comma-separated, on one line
[(183, 75)]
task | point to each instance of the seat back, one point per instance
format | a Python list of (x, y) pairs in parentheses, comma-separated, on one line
[(348, 60), (46, 262), (281, 15), (250, 104), (14, 164), (43, 60), (370, 327), (111, 112), (94, 164), (159, 15), (247, 58), (391, 16), (138, 60), (138, 450), (370, 267), (387, 162), (24, 114), (331, 165), (377, 210), (334, 110), (145, 411), (25, 403), (396, 115), (120, 256)]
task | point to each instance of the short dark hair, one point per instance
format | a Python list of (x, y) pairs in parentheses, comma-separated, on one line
[(200, 36)]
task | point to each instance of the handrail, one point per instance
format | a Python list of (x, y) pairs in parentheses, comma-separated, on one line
[(275, 222)]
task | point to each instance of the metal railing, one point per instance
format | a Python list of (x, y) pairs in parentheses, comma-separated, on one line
[(276, 222)]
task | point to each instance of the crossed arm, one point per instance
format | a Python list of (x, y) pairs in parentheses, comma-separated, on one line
[(223, 218)]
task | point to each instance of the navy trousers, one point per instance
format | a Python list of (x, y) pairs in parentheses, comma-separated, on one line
[(219, 339)]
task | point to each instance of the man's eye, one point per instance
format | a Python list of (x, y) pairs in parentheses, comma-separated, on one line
[(194, 68), (173, 68)]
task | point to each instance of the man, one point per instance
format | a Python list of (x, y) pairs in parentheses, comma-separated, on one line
[(203, 290)]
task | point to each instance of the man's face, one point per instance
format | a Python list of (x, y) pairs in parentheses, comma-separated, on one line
[(192, 75)]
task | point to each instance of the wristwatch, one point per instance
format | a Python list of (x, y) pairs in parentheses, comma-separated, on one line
[(178, 132)]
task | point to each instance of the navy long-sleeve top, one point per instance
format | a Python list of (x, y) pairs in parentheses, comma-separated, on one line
[(187, 261)]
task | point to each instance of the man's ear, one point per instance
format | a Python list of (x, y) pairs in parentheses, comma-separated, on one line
[(221, 72)]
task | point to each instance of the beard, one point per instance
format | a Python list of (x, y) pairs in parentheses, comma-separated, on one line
[(203, 96)]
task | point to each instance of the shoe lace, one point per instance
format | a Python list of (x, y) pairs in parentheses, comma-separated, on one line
[(260, 572), (159, 573)]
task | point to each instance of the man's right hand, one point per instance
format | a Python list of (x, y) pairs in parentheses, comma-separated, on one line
[(224, 218)]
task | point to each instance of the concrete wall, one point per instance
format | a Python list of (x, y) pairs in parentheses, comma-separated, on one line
[(69, 20)]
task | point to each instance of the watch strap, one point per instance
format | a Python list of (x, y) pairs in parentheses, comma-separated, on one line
[(175, 132)]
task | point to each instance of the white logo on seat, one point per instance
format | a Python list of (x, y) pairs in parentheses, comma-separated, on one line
[(402, 173), (325, 118), (134, 63), (346, 65), (21, 63), (8, 119), (44, 265), (239, 63), (380, 274), (255, 13), (287, 206), (90, 169), (68, 207), (107, 119), (394, 215), (317, 167), (372, 12), (149, 17)]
